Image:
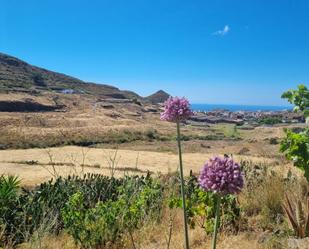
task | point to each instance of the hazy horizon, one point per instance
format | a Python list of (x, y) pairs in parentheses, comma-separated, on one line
[(226, 104), (233, 107), (247, 54)]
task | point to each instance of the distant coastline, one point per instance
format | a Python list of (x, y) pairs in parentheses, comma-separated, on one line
[(234, 108)]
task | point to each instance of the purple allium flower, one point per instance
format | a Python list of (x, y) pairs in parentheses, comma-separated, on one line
[(221, 175), (176, 109)]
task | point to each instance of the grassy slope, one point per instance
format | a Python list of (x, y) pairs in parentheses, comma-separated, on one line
[(16, 74)]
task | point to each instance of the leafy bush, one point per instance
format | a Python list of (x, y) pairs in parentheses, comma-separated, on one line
[(270, 120), (109, 220), (273, 140), (38, 80), (91, 226), (151, 133), (295, 146), (299, 98), (201, 137), (9, 194), (50, 197), (24, 211), (201, 207)]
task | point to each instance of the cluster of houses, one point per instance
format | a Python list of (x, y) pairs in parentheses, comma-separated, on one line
[(242, 117)]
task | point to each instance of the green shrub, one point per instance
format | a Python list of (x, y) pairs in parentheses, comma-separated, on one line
[(9, 217), (151, 134), (109, 220), (273, 141), (92, 227), (201, 208), (295, 146), (299, 98), (25, 211), (38, 80), (270, 120)]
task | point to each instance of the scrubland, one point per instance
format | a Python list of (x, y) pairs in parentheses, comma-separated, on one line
[(128, 144)]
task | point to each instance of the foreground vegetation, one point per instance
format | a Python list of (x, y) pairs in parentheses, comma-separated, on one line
[(94, 209), (104, 212)]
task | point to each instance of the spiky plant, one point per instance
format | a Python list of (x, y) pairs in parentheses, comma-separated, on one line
[(8, 186), (9, 191), (298, 215)]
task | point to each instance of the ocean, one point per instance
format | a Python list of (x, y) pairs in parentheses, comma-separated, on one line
[(210, 107)]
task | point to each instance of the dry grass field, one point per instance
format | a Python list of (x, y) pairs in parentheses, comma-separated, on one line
[(36, 165), (142, 142)]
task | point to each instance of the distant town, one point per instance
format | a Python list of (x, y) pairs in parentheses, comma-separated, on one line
[(247, 117)]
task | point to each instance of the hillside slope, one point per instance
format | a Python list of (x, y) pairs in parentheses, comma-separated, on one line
[(19, 76)]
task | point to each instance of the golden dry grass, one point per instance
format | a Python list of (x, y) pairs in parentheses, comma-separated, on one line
[(155, 236), (14, 162)]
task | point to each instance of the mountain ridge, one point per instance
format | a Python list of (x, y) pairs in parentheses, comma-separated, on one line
[(17, 75), (158, 97)]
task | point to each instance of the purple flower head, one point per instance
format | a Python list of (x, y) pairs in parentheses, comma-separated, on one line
[(221, 175), (176, 109)]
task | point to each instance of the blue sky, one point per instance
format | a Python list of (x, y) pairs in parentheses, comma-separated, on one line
[(211, 51)]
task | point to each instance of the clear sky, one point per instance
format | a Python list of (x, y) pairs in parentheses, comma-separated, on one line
[(227, 51)]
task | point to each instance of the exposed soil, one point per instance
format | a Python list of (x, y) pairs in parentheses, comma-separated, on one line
[(28, 106)]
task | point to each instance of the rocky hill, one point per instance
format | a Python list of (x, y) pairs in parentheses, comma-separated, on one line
[(19, 76), (158, 97)]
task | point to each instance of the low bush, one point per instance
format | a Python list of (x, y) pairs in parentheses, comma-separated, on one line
[(273, 140), (151, 134), (201, 207), (20, 140), (27, 210), (108, 221), (98, 211), (9, 200), (295, 146), (269, 121)]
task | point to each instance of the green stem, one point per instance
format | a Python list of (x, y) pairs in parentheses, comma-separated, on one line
[(217, 221), (307, 173), (182, 189)]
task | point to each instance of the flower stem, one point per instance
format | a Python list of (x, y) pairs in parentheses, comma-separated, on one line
[(182, 189), (217, 220)]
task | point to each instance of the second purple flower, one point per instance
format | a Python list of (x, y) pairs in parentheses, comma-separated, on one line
[(222, 176)]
